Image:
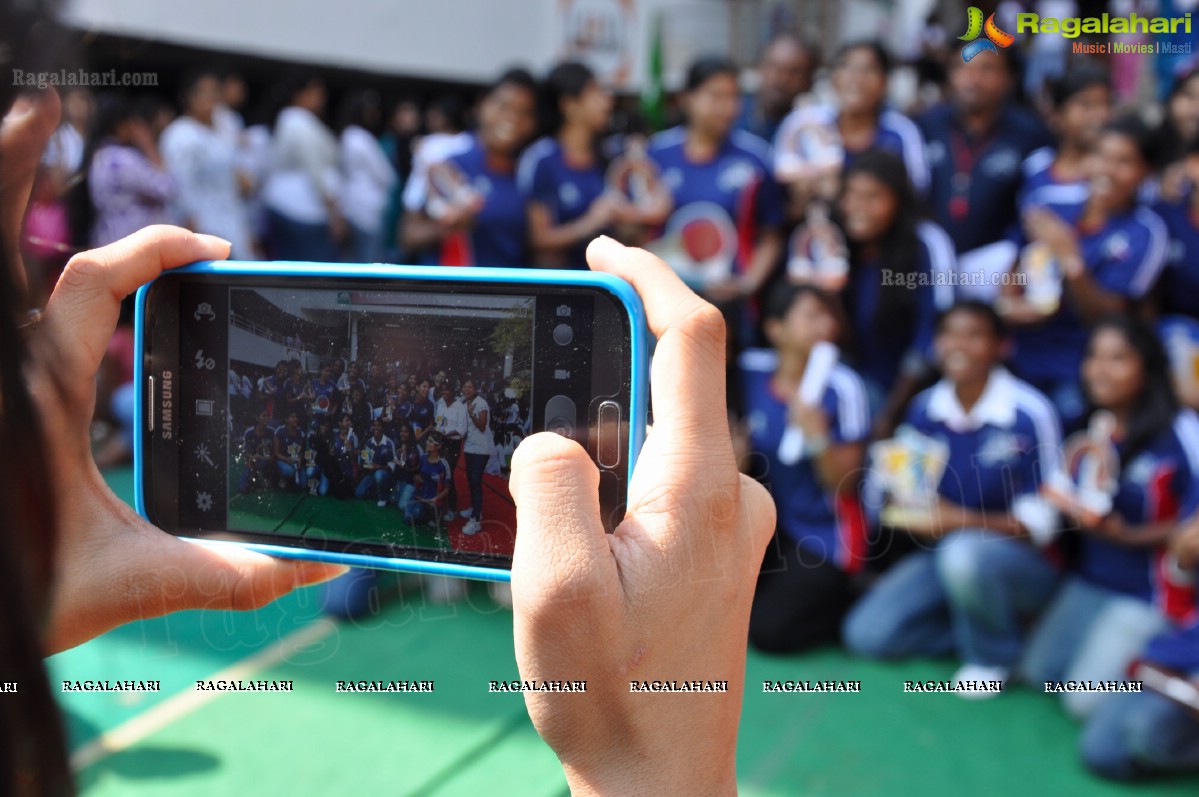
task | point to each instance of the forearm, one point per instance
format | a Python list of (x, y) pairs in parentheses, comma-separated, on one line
[(766, 255), (418, 231), (1091, 300)]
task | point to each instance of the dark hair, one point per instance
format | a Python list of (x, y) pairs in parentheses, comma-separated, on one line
[(784, 294), (707, 67), (518, 77), (873, 46), (1085, 76), (451, 107), (1134, 128), (190, 80), (1170, 142), (356, 108), (33, 753), (895, 317), (567, 80), (113, 109), (1156, 404), (800, 41), (978, 309)]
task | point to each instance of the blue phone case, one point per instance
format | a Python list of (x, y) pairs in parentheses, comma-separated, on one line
[(614, 285)]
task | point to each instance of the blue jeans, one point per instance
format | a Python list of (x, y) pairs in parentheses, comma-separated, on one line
[(971, 594), (1088, 633), (364, 246), (379, 481), (1137, 734), (296, 240), (476, 466), (298, 474)]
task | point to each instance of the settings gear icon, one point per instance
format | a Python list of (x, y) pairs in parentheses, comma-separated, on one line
[(204, 502)]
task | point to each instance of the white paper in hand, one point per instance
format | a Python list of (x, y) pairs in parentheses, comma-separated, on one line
[(816, 374)]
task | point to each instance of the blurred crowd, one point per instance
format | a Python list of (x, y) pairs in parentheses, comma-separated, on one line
[(1004, 258)]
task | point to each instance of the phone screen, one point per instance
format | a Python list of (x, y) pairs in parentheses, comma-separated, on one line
[(372, 416)]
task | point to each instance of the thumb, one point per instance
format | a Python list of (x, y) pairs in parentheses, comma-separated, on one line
[(230, 577), (560, 540)]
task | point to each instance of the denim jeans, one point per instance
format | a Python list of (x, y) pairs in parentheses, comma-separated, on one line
[(971, 594), (299, 475), (379, 481), (1088, 633), (476, 465), (296, 240), (1136, 734)]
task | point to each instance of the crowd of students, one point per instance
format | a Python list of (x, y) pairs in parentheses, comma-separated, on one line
[(921, 224), (386, 434)]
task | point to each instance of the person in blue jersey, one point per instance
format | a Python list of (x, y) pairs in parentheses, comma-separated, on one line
[(322, 394), (900, 277), (562, 177), (295, 392), (1178, 129), (376, 465), (290, 443), (420, 410), (1110, 249), (492, 228), (432, 484), (807, 581), (707, 161), (976, 143), (1178, 289), (978, 573), (1118, 593), (785, 71), (272, 393), (1139, 735), (860, 118), (258, 454), (1080, 105), (352, 378)]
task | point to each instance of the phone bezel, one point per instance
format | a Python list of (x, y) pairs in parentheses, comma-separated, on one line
[(479, 566)]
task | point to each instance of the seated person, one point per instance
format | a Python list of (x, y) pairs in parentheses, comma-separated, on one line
[(1117, 595), (376, 465), (290, 443), (978, 574), (806, 583), (432, 484)]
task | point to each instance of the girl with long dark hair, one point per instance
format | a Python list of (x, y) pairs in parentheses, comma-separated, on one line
[(900, 276), (1120, 591)]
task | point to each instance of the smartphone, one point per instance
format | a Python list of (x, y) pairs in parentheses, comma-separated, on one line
[(367, 415)]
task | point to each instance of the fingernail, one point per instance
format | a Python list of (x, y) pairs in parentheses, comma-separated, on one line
[(213, 239), (315, 572), (610, 244)]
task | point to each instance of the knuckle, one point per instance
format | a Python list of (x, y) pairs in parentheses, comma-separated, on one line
[(705, 325)]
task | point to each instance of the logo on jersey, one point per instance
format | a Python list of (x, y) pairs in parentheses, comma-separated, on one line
[(569, 195), (998, 448), (993, 37), (736, 175), (1117, 246)]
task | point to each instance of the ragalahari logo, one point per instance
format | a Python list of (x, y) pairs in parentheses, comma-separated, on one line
[(975, 28)]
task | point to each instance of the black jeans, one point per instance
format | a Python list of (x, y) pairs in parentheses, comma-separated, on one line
[(476, 464), (800, 601)]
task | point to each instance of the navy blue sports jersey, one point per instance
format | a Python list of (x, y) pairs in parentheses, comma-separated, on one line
[(421, 415), (1124, 256), (1180, 279), (1177, 649), (1160, 483), (755, 123), (1000, 451), (567, 192), (826, 525), (881, 359), (380, 453), (256, 445), (291, 442), (275, 391), (738, 180), (325, 397), (434, 477), (499, 234), (974, 180), (408, 460), (1038, 173)]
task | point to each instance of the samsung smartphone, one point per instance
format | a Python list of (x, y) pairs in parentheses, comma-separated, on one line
[(367, 414)]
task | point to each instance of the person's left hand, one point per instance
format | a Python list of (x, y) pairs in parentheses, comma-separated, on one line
[(112, 566)]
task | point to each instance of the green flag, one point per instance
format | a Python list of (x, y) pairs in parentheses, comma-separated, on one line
[(653, 97)]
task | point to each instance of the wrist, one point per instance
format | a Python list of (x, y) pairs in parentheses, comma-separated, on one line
[(1073, 266)]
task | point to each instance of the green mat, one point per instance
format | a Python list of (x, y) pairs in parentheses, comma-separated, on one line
[(461, 740)]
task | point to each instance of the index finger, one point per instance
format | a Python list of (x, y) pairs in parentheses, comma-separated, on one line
[(83, 310), (688, 365)]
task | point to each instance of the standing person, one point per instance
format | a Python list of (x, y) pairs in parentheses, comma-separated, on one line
[(784, 74), (491, 228), (1111, 250), (806, 585), (127, 187), (1120, 592), (707, 164), (478, 447), (562, 178), (979, 574), (1080, 105), (447, 137), (367, 177), (272, 392), (420, 410), (203, 162), (451, 422), (1178, 289), (900, 270), (859, 117), (1179, 128), (300, 192), (322, 394), (376, 467), (976, 142)]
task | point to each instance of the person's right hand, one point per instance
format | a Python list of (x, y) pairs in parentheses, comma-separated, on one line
[(665, 597)]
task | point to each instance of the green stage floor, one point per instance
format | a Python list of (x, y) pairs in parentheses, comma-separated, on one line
[(461, 740)]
